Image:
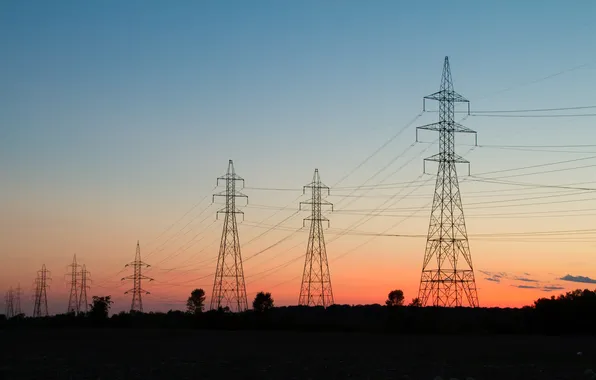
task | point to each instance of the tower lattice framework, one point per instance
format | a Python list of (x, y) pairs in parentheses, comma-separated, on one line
[(73, 299), (137, 277), (447, 273), (315, 289), (17, 300), (83, 306), (40, 305), (229, 288), (9, 298)]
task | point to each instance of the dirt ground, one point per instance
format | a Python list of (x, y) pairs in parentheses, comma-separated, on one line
[(168, 354)]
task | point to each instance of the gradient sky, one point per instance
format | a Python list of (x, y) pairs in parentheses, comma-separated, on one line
[(118, 116)]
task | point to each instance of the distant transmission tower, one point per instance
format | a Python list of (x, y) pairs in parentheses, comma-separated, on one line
[(17, 301), (73, 299), (316, 279), (83, 305), (447, 281), (40, 307), (137, 290), (229, 289), (9, 298)]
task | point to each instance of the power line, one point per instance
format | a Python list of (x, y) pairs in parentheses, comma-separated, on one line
[(535, 116), (537, 109), (550, 76), (537, 166), (389, 141), (176, 222)]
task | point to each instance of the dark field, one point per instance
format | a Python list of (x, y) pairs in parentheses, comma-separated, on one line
[(177, 354)]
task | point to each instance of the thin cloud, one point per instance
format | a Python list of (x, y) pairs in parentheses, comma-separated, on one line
[(582, 279), (525, 286), (550, 288), (494, 276), (524, 279)]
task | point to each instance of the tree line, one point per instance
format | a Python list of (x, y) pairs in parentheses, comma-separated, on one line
[(569, 313)]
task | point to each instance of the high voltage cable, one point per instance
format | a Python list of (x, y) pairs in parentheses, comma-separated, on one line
[(501, 182), (397, 185), (272, 245), (537, 166), (513, 87), (394, 172), (546, 171), (182, 217), (378, 209), (391, 139), (492, 234), (534, 148), (499, 193), (188, 245), (279, 223), (537, 109), (352, 232), (160, 248), (539, 150), (534, 116), (540, 146), (382, 169), (522, 110)]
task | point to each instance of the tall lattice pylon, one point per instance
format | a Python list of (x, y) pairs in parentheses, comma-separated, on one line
[(40, 306), (137, 277), (447, 280), (73, 298), (229, 289), (9, 299), (316, 279), (83, 306)]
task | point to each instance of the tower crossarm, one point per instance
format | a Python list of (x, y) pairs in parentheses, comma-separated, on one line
[(445, 96), (140, 263), (445, 127)]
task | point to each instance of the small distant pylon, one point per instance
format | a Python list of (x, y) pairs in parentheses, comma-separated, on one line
[(229, 288), (83, 306), (40, 307), (316, 279), (137, 277), (9, 298), (73, 299), (17, 301)]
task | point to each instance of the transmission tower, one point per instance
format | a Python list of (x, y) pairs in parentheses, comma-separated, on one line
[(447, 280), (40, 307), (9, 298), (83, 305), (17, 300), (229, 289), (73, 299), (137, 277), (316, 279)]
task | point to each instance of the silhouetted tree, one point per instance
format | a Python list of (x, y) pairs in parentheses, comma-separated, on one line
[(395, 298), (196, 301), (100, 306), (262, 302), (415, 302)]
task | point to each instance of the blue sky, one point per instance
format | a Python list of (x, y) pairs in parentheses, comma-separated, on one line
[(117, 116)]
